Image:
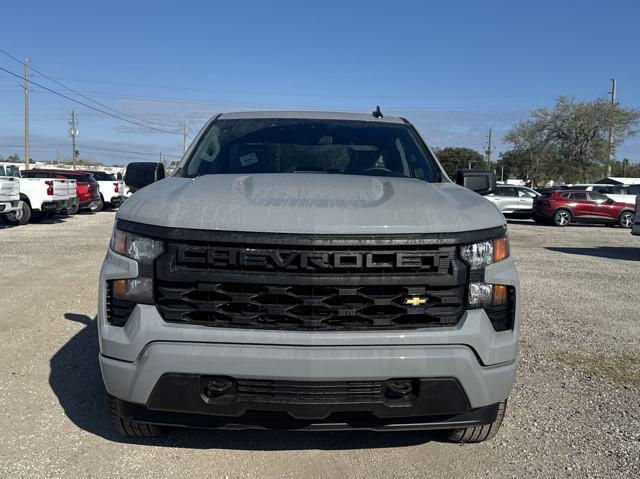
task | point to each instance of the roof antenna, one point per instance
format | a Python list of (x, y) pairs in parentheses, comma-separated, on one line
[(377, 113)]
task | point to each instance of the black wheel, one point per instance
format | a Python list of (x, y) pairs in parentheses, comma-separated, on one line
[(98, 205), (562, 217), (20, 216), (480, 433), (626, 219), (128, 427), (73, 210)]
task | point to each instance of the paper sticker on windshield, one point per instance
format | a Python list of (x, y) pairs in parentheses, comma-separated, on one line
[(250, 159)]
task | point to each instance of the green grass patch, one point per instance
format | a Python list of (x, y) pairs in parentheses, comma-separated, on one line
[(622, 368)]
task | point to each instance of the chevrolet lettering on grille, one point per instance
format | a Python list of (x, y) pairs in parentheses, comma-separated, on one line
[(264, 259)]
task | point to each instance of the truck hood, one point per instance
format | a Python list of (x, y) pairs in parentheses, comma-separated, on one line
[(310, 203)]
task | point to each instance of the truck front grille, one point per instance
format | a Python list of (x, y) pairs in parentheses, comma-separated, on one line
[(354, 286), (309, 307)]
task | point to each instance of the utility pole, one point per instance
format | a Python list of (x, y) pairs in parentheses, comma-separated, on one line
[(185, 133), (489, 151), (613, 105), (73, 131), (26, 113)]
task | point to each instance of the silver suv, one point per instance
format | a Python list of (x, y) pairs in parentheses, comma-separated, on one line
[(514, 200), (310, 271)]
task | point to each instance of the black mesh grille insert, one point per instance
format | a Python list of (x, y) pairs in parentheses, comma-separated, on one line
[(260, 390), (278, 307)]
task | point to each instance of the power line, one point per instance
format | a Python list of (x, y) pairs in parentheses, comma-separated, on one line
[(90, 106), (117, 150), (316, 95), (75, 91)]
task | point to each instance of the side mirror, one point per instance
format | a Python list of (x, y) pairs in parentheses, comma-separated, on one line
[(609, 201), (482, 182), (143, 173)]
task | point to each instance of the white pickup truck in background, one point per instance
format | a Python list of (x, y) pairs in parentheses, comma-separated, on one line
[(111, 189), (41, 197), (9, 190)]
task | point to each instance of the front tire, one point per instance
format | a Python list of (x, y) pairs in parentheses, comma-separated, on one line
[(481, 433), (626, 219), (21, 216), (562, 218), (128, 427)]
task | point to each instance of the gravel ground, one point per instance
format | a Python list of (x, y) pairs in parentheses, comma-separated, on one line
[(575, 411)]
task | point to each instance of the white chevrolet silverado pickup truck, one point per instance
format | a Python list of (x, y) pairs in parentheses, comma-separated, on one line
[(41, 197)]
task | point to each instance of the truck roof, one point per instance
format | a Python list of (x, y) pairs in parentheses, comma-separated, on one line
[(310, 115)]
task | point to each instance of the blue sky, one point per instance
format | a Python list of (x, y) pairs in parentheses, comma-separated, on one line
[(453, 68)]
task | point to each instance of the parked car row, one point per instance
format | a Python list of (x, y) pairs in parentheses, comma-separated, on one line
[(37, 194), (563, 205)]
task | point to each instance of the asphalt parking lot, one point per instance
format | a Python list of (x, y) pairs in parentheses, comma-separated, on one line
[(575, 411)]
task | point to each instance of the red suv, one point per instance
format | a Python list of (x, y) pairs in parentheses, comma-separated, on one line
[(566, 206), (86, 185)]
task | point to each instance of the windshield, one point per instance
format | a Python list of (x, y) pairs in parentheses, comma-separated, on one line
[(311, 146)]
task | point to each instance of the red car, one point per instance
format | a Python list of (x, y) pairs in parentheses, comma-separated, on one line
[(567, 206), (86, 185)]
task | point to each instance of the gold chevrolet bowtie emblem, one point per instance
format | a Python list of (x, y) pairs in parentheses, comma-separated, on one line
[(415, 301)]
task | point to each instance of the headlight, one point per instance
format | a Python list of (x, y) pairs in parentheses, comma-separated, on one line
[(140, 248), (484, 253), (144, 250), (478, 256)]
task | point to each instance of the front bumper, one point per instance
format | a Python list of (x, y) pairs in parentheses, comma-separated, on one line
[(136, 357)]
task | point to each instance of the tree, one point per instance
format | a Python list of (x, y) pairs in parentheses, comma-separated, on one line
[(631, 171), (570, 142), (456, 158)]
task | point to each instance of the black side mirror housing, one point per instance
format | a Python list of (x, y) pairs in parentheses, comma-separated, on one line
[(609, 201), (143, 173), (482, 182)]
